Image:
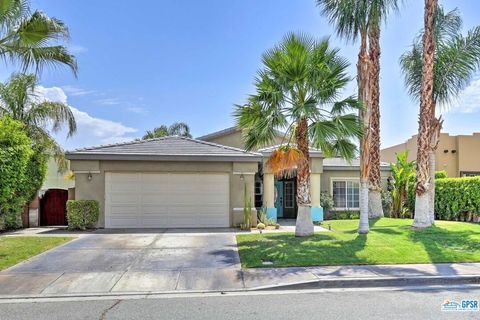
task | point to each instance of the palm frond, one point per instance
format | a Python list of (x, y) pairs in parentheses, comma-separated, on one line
[(52, 113)]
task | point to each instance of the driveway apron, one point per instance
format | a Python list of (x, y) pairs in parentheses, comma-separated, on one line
[(131, 261)]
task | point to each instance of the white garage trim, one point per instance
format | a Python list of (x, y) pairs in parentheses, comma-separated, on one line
[(166, 200)]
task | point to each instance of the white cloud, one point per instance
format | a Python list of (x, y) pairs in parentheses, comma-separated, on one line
[(76, 91), (109, 101), (469, 99), (90, 130), (138, 110)]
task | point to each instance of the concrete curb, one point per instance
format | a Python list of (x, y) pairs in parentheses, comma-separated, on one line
[(372, 282), (331, 283)]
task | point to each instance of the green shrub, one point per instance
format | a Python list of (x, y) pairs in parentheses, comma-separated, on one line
[(326, 201), (15, 155), (387, 201), (442, 174), (457, 198), (260, 226), (355, 215), (82, 214)]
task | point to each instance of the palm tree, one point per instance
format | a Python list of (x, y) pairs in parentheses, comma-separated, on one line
[(19, 100), (176, 129), (456, 58), (297, 92), (29, 38), (355, 19)]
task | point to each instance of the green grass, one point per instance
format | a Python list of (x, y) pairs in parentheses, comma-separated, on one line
[(16, 249), (390, 241)]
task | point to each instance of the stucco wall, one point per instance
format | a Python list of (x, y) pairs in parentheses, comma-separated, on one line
[(469, 153), (54, 179), (328, 175), (464, 158), (95, 189)]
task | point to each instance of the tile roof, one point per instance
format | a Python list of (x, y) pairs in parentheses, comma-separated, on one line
[(339, 162), (171, 146)]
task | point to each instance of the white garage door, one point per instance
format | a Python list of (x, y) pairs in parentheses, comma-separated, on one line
[(166, 200)]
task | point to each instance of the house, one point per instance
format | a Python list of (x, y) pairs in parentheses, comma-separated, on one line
[(458, 155), (182, 182)]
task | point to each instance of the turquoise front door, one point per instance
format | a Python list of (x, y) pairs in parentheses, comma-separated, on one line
[(279, 198)]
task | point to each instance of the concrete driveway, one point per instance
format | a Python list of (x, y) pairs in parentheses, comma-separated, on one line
[(131, 261)]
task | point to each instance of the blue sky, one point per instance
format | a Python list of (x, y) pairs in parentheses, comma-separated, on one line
[(146, 63)]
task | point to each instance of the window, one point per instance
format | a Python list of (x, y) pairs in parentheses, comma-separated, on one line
[(289, 194), (258, 194), (469, 173), (346, 194)]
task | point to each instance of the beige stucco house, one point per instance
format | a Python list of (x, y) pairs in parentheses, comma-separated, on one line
[(182, 182), (458, 155)]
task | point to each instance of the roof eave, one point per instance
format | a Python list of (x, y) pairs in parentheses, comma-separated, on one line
[(150, 157)]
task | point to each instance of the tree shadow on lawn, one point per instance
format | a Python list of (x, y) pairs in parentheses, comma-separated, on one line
[(286, 250), (448, 246)]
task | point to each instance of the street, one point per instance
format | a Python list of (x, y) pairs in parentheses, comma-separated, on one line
[(319, 304)]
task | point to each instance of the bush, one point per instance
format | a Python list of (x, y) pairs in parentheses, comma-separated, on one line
[(15, 155), (260, 226), (82, 214), (387, 201), (326, 201), (441, 174), (457, 198)]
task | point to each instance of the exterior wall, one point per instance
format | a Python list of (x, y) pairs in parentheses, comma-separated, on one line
[(328, 175), (466, 151), (54, 179), (234, 139), (469, 153), (95, 188)]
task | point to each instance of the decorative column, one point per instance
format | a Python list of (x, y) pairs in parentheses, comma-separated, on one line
[(269, 195), (315, 177)]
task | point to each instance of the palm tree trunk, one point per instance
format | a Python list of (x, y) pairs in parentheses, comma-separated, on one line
[(423, 184), (364, 114), (436, 128), (375, 209), (304, 225)]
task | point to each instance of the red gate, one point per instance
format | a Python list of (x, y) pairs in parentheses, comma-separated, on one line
[(53, 208)]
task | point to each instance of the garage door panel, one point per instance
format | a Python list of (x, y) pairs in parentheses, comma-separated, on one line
[(167, 200)]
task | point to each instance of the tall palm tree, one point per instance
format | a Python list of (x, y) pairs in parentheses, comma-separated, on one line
[(29, 38), (355, 19), (297, 92), (176, 129), (19, 100), (456, 59)]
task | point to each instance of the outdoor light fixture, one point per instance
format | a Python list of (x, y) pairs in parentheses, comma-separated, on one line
[(242, 177), (89, 177), (445, 151), (454, 151)]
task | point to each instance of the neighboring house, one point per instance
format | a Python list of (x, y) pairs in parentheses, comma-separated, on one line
[(458, 155), (182, 182)]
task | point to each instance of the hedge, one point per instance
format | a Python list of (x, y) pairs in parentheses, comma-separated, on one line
[(457, 198), (82, 214), (15, 155)]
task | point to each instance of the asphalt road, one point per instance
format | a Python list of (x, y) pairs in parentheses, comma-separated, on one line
[(327, 304)]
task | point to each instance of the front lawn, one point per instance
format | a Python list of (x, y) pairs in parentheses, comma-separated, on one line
[(390, 241), (16, 249)]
